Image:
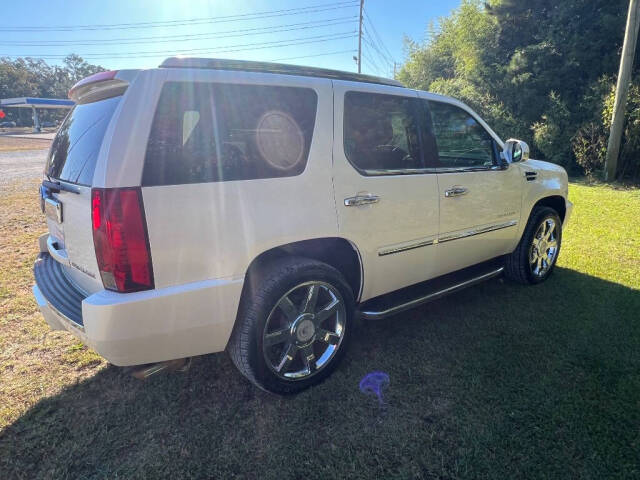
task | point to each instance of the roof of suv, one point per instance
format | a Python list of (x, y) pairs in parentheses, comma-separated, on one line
[(268, 67)]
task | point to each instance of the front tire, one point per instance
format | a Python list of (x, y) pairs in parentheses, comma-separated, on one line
[(535, 257), (293, 324)]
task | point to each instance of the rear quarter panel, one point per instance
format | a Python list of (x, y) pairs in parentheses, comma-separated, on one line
[(214, 230)]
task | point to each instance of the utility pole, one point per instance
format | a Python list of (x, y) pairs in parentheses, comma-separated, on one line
[(394, 69), (622, 90), (360, 39)]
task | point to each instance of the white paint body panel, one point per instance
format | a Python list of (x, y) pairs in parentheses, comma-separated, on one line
[(213, 230), (204, 236), (407, 211)]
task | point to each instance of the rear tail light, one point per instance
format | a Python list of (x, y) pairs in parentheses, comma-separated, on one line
[(120, 239)]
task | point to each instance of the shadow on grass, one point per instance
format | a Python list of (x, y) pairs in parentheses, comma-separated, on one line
[(499, 381)]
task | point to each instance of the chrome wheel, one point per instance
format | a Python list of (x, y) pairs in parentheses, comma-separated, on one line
[(304, 330), (544, 248)]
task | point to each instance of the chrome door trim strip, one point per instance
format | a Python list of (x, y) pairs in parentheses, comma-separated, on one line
[(476, 231), (445, 238), (376, 315), (420, 243)]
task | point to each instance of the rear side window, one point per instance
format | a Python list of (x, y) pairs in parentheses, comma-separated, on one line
[(381, 132), (462, 141), (206, 132), (74, 150)]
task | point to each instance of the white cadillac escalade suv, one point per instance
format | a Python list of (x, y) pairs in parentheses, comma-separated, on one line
[(261, 208)]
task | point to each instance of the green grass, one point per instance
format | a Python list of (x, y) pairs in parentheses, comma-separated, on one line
[(499, 381)]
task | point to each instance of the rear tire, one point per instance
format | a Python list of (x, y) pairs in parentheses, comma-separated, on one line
[(293, 324), (535, 257)]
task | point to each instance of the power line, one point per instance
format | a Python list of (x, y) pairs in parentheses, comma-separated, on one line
[(231, 48), (372, 67), (375, 50), (371, 61), (371, 42), (191, 37), (316, 55), (190, 22), (378, 37)]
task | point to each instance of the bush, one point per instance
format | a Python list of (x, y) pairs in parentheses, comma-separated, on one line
[(589, 146), (552, 135), (629, 161)]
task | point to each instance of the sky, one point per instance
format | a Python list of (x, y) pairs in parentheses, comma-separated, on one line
[(120, 34)]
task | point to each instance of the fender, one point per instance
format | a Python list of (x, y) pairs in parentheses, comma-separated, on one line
[(540, 180)]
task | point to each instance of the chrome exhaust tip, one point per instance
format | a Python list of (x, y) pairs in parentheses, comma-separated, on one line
[(177, 365)]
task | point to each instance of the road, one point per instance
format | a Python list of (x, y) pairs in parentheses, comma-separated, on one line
[(21, 165)]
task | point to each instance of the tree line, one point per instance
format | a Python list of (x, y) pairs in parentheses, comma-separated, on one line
[(540, 70), (33, 77)]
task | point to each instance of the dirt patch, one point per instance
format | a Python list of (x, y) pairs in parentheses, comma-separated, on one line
[(20, 167), (14, 143)]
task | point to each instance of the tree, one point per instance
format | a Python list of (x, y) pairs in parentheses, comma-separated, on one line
[(32, 77), (533, 68)]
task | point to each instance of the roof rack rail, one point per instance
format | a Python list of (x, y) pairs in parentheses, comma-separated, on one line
[(268, 67)]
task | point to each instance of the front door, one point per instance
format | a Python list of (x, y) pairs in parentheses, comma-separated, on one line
[(480, 200), (386, 200)]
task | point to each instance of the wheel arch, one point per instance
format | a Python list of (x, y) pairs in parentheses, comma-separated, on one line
[(338, 252), (557, 202)]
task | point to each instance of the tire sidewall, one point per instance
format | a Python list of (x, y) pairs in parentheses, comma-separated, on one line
[(264, 304), (540, 216)]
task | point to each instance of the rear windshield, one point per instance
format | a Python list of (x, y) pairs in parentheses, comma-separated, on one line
[(206, 132), (74, 151)]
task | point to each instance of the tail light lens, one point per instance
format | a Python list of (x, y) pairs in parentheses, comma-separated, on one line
[(120, 239)]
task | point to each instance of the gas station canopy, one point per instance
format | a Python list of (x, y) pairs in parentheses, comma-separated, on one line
[(31, 102), (34, 103)]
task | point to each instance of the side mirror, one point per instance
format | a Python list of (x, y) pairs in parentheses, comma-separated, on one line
[(515, 151)]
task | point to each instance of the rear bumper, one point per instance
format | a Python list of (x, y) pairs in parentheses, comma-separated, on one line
[(143, 327)]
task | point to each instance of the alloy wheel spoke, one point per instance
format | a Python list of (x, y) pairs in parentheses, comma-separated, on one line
[(539, 265), (288, 308), (310, 300), (550, 228), (289, 353), (308, 358), (325, 336), (277, 336), (552, 244), (533, 256), (327, 311)]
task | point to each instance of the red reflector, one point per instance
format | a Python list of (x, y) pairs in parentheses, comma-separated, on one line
[(120, 239)]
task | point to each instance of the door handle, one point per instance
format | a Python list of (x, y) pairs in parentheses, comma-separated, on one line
[(456, 192), (358, 200)]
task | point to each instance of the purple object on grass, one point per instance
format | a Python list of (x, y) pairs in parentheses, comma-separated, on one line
[(374, 383)]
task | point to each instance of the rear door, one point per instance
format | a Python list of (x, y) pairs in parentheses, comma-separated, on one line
[(387, 201), (66, 191)]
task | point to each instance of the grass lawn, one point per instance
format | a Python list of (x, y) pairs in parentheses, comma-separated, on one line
[(499, 381)]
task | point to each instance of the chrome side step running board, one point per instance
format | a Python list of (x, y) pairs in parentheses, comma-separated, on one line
[(376, 309)]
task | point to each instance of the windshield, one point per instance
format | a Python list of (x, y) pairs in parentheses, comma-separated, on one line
[(74, 151)]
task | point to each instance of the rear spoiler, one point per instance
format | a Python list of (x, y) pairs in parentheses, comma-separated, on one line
[(102, 85)]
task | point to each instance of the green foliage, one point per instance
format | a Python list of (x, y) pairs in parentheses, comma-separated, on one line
[(629, 163), (551, 134), (531, 68), (589, 147), (30, 77)]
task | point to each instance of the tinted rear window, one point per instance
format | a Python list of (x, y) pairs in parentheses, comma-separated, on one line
[(205, 132), (75, 149)]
